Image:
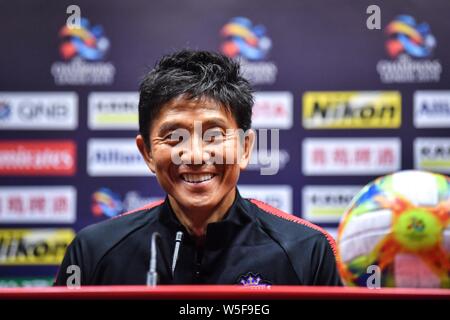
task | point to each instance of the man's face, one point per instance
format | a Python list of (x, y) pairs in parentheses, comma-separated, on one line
[(194, 152)]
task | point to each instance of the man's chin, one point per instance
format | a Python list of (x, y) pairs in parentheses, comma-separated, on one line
[(196, 202)]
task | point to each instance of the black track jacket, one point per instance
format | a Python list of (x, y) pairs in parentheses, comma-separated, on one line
[(255, 244)]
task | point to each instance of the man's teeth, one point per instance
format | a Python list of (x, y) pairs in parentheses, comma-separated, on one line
[(196, 178)]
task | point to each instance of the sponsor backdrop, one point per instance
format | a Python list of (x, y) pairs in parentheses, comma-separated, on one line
[(350, 102)]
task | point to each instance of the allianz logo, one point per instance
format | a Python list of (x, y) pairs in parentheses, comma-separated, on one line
[(436, 107), (116, 156)]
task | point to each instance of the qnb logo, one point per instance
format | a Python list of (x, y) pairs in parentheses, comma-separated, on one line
[(106, 203), (86, 42), (28, 110), (406, 36), (244, 39)]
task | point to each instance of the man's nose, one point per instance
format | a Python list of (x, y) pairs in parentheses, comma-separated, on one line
[(194, 151)]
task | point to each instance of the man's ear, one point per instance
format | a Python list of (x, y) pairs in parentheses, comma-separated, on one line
[(145, 152), (247, 147)]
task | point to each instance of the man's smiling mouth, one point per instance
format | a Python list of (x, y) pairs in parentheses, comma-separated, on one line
[(197, 177)]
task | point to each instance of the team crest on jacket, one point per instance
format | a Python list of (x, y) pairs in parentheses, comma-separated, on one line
[(253, 279)]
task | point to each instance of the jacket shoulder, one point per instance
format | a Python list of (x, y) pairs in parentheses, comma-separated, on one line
[(96, 240), (311, 250), (93, 242), (117, 227), (288, 226)]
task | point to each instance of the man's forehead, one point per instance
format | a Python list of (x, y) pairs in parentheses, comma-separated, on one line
[(183, 112), (194, 109), (183, 103)]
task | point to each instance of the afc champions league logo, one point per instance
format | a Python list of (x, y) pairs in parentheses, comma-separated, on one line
[(86, 42), (250, 45), (410, 45), (244, 39), (106, 203), (83, 48), (408, 37)]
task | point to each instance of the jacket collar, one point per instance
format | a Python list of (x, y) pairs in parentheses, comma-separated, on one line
[(218, 233)]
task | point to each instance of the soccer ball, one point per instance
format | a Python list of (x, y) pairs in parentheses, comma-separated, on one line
[(397, 228)]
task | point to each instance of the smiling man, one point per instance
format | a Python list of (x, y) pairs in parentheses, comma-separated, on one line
[(195, 134)]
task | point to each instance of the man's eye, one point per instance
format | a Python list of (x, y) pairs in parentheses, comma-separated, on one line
[(173, 138), (212, 136)]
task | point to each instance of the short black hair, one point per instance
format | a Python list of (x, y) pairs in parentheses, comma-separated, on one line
[(195, 74)]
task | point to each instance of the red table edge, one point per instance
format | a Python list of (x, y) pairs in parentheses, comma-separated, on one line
[(218, 292)]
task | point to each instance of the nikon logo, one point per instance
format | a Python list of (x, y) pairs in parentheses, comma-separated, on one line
[(351, 109), (34, 246)]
